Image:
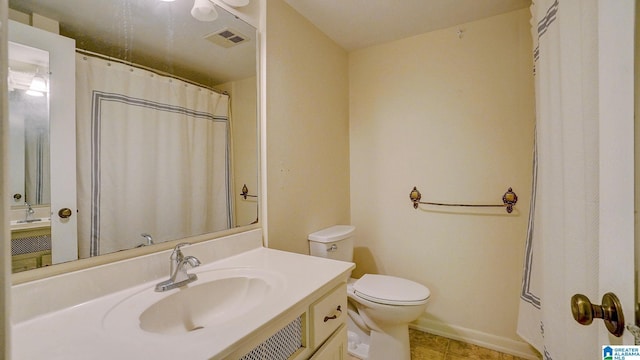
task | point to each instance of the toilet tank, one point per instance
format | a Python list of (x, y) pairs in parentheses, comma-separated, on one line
[(335, 242)]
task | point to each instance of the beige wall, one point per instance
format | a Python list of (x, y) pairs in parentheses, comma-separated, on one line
[(454, 117), (245, 146), (307, 129)]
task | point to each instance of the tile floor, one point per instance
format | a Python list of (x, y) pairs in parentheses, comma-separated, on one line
[(425, 346)]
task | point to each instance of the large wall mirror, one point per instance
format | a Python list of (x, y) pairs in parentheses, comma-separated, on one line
[(149, 138)]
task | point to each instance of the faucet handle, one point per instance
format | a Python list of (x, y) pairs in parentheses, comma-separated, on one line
[(177, 253), (192, 261), (181, 245)]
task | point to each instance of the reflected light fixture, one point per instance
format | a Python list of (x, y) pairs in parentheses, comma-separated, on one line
[(204, 10), (38, 86)]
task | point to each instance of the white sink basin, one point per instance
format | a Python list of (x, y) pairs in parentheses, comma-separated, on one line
[(30, 224), (217, 297)]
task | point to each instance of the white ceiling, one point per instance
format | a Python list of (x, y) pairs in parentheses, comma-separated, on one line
[(152, 32), (355, 24), (161, 35)]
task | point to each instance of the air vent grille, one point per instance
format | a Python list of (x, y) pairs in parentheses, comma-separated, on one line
[(227, 38)]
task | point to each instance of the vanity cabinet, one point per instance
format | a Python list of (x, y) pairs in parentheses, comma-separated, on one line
[(30, 248), (30, 261), (321, 332), (301, 315)]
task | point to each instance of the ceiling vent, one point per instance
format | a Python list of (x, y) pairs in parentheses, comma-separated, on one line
[(227, 38)]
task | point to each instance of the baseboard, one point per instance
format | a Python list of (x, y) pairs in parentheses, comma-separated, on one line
[(489, 341)]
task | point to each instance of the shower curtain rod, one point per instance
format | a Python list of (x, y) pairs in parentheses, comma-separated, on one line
[(155, 71)]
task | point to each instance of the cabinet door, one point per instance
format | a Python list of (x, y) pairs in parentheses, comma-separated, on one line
[(335, 348)]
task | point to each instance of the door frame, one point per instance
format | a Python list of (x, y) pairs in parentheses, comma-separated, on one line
[(616, 30)]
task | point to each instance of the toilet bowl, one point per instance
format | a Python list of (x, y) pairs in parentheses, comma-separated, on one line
[(380, 306)]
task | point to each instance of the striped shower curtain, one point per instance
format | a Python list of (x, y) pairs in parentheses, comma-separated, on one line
[(562, 242), (153, 157)]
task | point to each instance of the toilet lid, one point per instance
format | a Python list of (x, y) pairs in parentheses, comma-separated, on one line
[(391, 290)]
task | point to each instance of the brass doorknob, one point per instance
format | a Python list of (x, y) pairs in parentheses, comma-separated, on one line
[(610, 311), (64, 213)]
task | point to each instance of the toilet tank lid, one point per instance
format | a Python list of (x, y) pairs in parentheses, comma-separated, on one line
[(334, 233)]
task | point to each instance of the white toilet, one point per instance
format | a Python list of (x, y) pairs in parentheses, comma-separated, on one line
[(380, 307)]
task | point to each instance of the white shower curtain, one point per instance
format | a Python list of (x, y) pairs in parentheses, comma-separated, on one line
[(153, 157), (562, 245)]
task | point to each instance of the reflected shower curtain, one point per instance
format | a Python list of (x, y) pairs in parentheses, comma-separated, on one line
[(153, 157), (37, 164), (561, 256)]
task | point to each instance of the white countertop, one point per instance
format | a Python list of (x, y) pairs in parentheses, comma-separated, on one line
[(78, 332), (31, 225)]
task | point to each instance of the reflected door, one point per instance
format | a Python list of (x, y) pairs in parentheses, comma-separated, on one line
[(29, 125), (61, 150)]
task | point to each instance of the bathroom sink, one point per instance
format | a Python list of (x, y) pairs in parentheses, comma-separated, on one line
[(217, 297), (212, 302), (26, 221), (30, 223)]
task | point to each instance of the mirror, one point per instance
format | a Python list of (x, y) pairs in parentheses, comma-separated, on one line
[(150, 167), (29, 125)]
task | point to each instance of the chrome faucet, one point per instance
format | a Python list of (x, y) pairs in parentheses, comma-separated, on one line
[(178, 274), (148, 238), (29, 212)]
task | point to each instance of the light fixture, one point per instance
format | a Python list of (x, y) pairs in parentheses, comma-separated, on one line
[(38, 86), (204, 10)]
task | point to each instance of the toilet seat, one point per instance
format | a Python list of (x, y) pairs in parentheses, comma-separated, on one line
[(390, 290)]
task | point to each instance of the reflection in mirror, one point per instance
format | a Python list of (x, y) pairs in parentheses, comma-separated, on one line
[(166, 128), (29, 125), (29, 156)]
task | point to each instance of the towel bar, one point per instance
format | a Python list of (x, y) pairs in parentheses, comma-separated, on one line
[(509, 199)]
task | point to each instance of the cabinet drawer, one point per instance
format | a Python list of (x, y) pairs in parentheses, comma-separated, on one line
[(335, 348), (24, 264), (46, 260), (328, 313)]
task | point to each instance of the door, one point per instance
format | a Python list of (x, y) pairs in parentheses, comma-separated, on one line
[(616, 116), (64, 244)]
